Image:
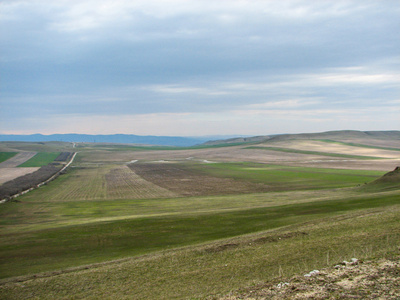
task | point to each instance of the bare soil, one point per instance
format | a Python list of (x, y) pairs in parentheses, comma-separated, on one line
[(182, 181), (378, 279), (7, 174)]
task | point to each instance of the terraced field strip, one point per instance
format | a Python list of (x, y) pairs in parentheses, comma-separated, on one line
[(6, 155), (40, 159)]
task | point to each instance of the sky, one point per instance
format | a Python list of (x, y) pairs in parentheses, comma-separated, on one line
[(197, 68)]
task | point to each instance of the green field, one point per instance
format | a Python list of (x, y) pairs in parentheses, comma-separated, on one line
[(281, 177), (6, 155), (104, 231), (40, 159), (39, 250)]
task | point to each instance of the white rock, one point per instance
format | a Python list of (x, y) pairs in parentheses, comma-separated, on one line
[(354, 261), (312, 273), (282, 284)]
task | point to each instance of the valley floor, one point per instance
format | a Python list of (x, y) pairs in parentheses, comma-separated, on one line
[(218, 222)]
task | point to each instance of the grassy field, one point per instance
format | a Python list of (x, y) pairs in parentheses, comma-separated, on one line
[(279, 177), (40, 159), (6, 155), (108, 230), (216, 268)]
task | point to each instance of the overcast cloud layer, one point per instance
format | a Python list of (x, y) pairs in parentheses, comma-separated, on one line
[(184, 67)]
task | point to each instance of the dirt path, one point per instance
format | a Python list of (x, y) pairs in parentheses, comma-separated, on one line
[(18, 159)]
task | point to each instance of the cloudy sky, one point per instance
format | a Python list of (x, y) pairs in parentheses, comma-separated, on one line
[(206, 67)]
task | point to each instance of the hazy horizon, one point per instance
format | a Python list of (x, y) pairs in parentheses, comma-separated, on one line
[(199, 68)]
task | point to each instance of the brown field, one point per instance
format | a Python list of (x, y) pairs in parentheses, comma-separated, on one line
[(7, 174), (184, 182), (122, 183)]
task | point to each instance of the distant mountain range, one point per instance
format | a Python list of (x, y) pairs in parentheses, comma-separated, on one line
[(114, 138), (192, 141)]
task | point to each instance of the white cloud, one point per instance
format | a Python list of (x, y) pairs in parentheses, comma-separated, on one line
[(181, 65)]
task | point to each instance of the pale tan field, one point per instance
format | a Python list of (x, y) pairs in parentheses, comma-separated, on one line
[(320, 146), (7, 174), (9, 170)]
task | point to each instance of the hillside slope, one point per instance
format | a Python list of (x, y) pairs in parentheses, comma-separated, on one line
[(367, 137), (390, 180)]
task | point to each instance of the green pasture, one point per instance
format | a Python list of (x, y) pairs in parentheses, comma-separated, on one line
[(289, 178), (214, 269), (40, 159), (289, 150), (6, 155), (38, 250)]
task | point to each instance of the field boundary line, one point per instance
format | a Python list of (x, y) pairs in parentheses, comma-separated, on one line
[(42, 183)]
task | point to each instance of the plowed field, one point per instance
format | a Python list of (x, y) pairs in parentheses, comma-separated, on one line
[(185, 182), (123, 183)]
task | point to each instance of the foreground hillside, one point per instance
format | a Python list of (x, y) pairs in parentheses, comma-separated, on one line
[(373, 279), (132, 222)]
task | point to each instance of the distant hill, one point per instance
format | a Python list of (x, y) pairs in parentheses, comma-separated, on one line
[(341, 135), (115, 138)]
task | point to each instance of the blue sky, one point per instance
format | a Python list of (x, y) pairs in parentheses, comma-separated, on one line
[(191, 68)]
